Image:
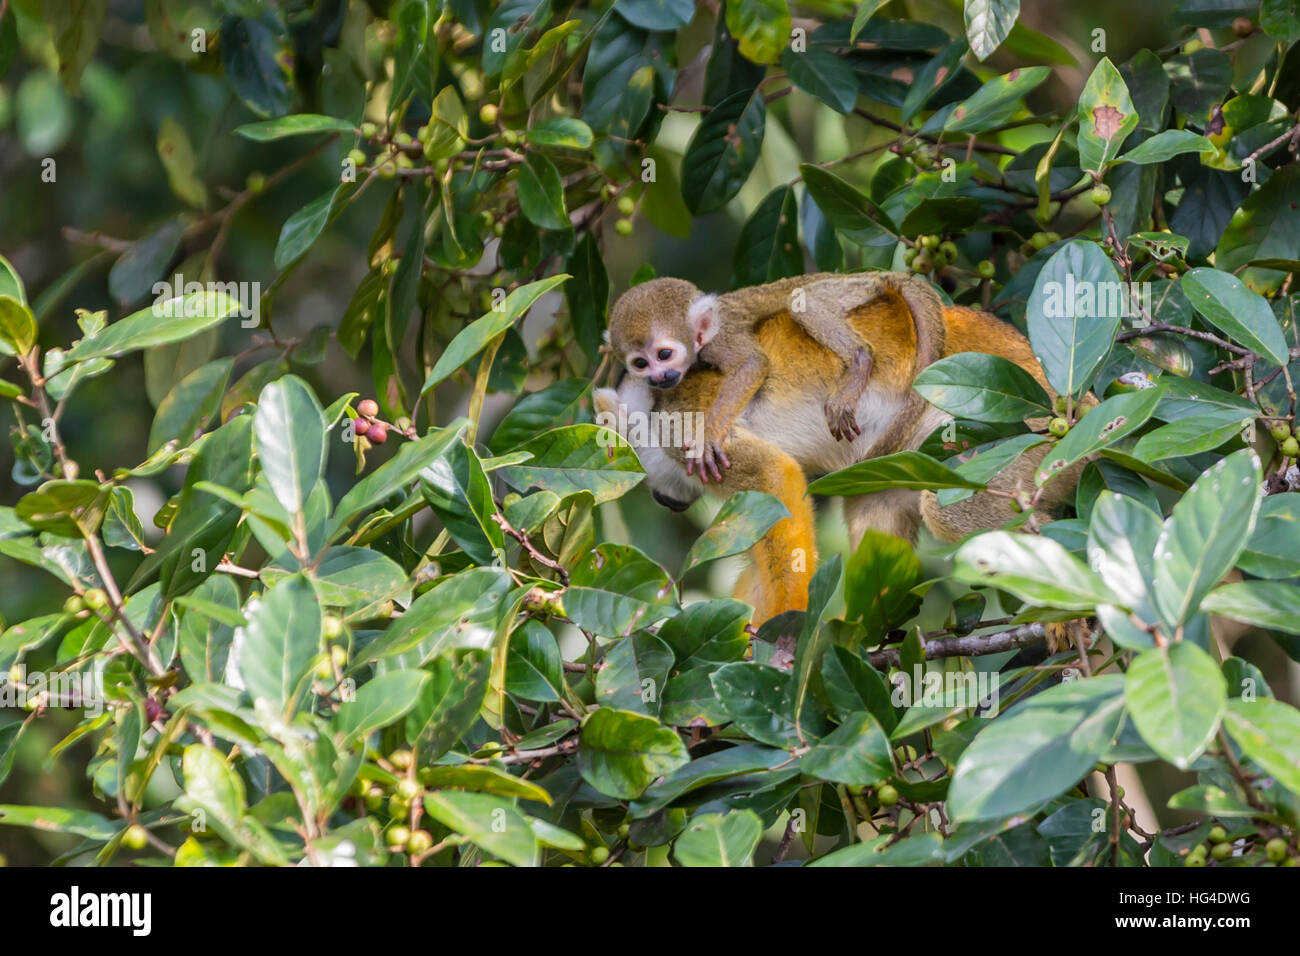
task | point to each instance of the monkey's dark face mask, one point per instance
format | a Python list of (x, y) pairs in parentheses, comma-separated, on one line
[(666, 379)]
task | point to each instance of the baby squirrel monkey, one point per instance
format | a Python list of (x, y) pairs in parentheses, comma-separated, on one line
[(661, 328)]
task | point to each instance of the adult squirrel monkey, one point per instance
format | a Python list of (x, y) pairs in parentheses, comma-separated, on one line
[(781, 436), (664, 328)]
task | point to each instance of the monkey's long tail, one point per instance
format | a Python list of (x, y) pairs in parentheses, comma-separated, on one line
[(927, 316)]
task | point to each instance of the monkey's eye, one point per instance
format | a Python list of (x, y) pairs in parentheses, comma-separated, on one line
[(665, 354), (640, 363)]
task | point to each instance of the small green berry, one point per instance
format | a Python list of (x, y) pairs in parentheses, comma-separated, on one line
[(1275, 849), (332, 627), (357, 156), (420, 841), (1291, 448), (488, 114), (407, 789), (135, 837), (1217, 835), (986, 269), (626, 205), (369, 130), (887, 795), (95, 599), (1100, 194), (623, 227), (74, 605), (599, 855), (1221, 851)]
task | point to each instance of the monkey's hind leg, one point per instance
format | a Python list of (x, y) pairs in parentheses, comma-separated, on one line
[(784, 559)]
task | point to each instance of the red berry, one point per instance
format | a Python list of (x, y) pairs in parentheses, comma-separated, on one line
[(377, 433), (368, 408)]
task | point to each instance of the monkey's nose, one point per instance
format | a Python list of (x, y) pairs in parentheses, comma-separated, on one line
[(672, 504), (667, 380)]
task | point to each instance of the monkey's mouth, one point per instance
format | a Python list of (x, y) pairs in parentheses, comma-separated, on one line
[(672, 504), (662, 383)]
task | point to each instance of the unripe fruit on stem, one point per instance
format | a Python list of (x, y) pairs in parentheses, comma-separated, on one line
[(407, 789), (623, 227), (599, 854), (909, 255), (135, 837), (1194, 861), (930, 242), (1100, 194), (368, 407), (1291, 448), (398, 808), (95, 599), (377, 433), (498, 229), (423, 133), (887, 796), (626, 205), (324, 670), (357, 156), (922, 262), (255, 182), (986, 269), (949, 250), (1058, 427), (400, 759), (74, 605), (332, 627), (374, 799), (369, 129), (1221, 851), (1275, 849), (419, 842), (1280, 432), (1217, 835), (1039, 241), (404, 139), (488, 114), (397, 835), (339, 655)]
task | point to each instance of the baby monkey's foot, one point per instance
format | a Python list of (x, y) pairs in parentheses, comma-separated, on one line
[(842, 418), (710, 457)]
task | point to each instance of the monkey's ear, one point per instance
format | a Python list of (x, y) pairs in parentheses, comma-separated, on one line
[(702, 318)]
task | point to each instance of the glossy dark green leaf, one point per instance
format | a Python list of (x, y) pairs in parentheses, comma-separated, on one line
[(856, 753), (299, 124), (824, 75), (768, 248), (634, 674), (906, 469), (986, 388), (988, 23), (301, 230), (723, 151), (622, 752), (251, 56), (574, 459), (719, 839), (279, 646), (190, 406), (1268, 732), (1175, 695), (852, 214), (379, 702), (1104, 425), (1032, 567), (1239, 312), (290, 433)]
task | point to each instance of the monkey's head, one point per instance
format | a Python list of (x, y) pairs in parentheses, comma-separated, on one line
[(658, 327)]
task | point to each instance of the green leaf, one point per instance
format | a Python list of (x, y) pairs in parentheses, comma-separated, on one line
[(1269, 604), (851, 684), (1280, 19), (458, 613), (83, 823), (1032, 567), (634, 674), (1073, 314), (204, 638), (448, 703), (852, 214), (1104, 425), (485, 779), (1038, 750), (560, 132), (723, 151), (1165, 146), (986, 388), (534, 668), (158, 324), (190, 406), (1263, 226), (1176, 695), (298, 124), (181, 163), (251, 58), (575, 459), (74, 28), (459, 493), (541, 193), (475, 337), (757, 698), (742, 520), (1273, 550), (615, 589), (1191, 435), (708, 632), (1202, 538), (985, 461), (17, 326), (488, 821), (905, 469), (278, 648), (1106, 117), (995, 101), (290, 430), (303, 228), (1239, 312), (822, 74), (393, 475), (588, 299), (378, 703), (134, 273), (1122, 536), (1268, 732), (768, 248), (856, 753), (761, 27), (622, 752), (212, 784), (878, 581), (720, 839), (988, 23)]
